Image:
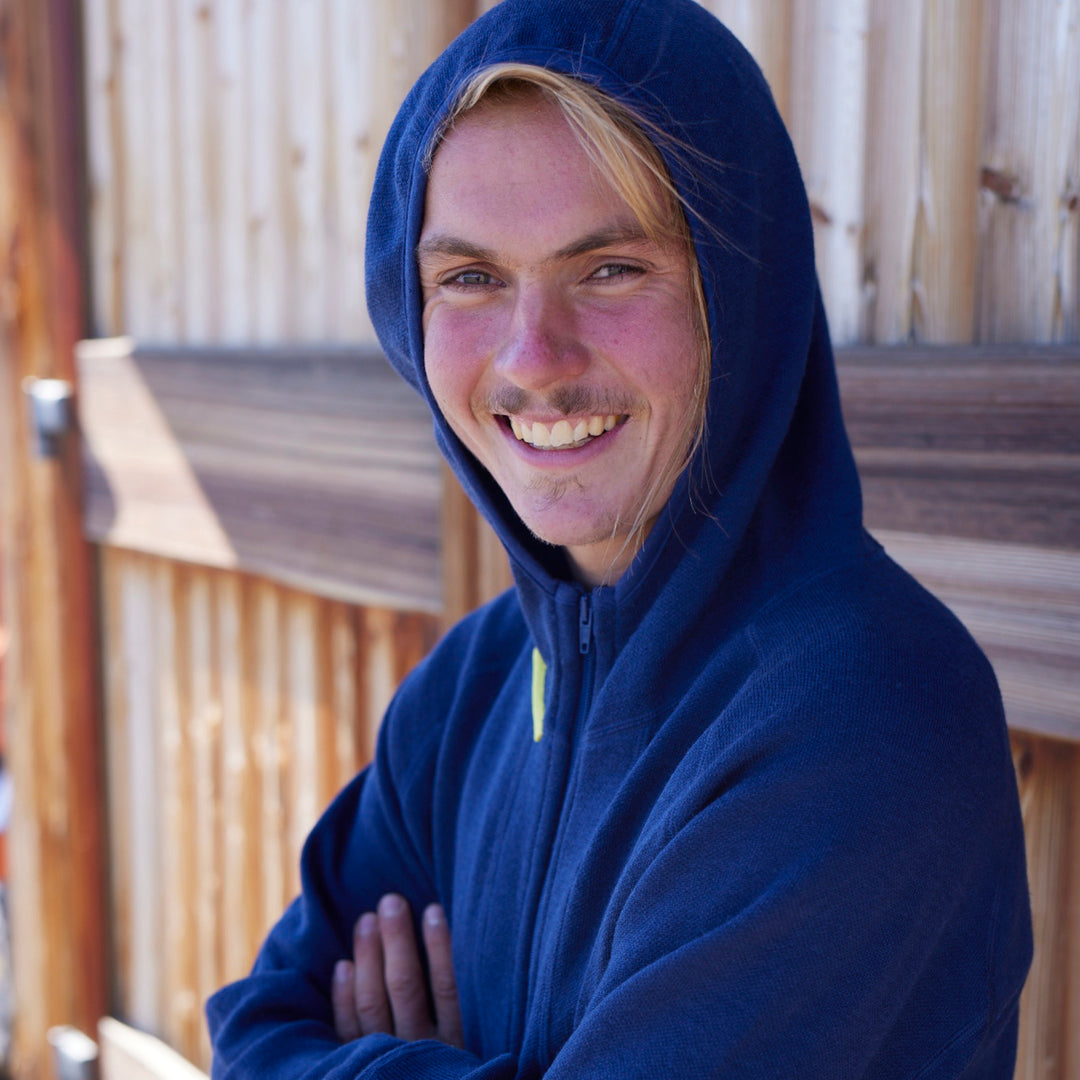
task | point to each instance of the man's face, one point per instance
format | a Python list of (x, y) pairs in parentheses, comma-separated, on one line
[(558, 340)]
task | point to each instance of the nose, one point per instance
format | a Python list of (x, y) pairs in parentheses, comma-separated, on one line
[(542, 345)]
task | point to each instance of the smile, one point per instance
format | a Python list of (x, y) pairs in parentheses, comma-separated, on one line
[(562, 435)]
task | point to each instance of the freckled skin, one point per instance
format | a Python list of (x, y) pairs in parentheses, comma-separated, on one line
[(544, 300)]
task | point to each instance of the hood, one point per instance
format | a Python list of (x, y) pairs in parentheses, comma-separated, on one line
[(772, 495)]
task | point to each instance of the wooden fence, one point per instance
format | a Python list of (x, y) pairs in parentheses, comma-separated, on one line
[(230, 146)]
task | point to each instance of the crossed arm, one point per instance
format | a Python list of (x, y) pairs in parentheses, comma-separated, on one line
[(383, 988)]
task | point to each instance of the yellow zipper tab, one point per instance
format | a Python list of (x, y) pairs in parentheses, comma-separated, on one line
[(539, 675)]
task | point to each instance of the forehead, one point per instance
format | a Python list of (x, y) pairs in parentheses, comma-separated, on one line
[(517, 166)]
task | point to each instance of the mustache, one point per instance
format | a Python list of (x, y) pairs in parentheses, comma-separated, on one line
[(567, 400)]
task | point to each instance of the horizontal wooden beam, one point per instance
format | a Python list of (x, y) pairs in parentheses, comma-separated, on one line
[(970, 466), (316, 466), (313, 466), (978, 442)]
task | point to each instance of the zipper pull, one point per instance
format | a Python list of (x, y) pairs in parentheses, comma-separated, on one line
[(584, 625)]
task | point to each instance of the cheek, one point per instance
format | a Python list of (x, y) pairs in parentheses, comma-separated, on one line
[(449, 359), (657, 350), (457, 345)]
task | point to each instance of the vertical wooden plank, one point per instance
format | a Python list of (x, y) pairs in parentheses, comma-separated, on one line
[(101, 161), (165, 240), (146, 599), (196, 140), (205, 805), (494, 567), (173, 890), (376, 676), (351, 107), (228, 166), (302, 695), (459, 550), (946, 240), (894, 112), (828, 119), (253, 601), (1031, 140), (304, 217), (53, 722), (263, 96), (1047, 772), (325, 768), (117, 731), (474, 563), (240, 910), (270, 752), (343, 653)]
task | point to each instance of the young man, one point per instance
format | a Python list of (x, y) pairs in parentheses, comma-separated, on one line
[(716, 789)]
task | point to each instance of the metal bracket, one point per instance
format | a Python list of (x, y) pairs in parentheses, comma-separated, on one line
[(50, 411)]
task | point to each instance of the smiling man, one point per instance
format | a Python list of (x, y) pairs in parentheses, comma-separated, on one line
[(559, 338), (716, 789)]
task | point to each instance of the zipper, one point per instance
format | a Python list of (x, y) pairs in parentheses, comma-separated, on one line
[(584, 625), (541, 979)]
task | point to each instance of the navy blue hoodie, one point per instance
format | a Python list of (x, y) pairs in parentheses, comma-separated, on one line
[(771, 827)]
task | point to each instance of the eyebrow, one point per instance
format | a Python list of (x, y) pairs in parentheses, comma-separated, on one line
[(609, 236)]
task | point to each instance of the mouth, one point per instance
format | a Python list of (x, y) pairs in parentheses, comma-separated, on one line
[(563, 434)]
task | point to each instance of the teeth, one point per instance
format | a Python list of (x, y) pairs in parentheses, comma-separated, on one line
[(561, 434)]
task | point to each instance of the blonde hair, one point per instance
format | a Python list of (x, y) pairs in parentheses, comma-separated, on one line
[(623, 146)]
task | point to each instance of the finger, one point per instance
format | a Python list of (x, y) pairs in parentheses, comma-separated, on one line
[(344, 1002), (369, 991), (441, 970), (405, 984)]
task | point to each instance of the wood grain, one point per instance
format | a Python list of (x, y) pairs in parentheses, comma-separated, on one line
[(52, 718), (236, 708), (971, 442), (318, 468), (315, 466)]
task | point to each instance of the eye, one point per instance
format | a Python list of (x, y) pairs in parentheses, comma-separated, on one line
[(615, 272), (467, 279)]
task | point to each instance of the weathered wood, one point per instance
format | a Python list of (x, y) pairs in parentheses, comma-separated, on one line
[(316, 467), (971, 442), (52, 722), (894, 131), (945, 252), (1049, 777), (222, 456), (829, 66), (236, 709), (232, 151), (1028, 285)]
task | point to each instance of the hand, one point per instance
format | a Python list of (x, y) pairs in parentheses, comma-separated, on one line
[(383, 987)]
